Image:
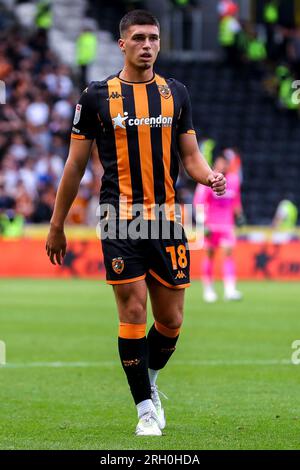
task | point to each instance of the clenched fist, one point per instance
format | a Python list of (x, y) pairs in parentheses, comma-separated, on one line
[(217, 182)]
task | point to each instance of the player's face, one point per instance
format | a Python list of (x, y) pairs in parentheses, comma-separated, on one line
[(221, 165), (141, 45)]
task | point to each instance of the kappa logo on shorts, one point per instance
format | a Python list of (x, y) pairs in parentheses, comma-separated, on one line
[(118, 264), (180, 275), (164, 90)]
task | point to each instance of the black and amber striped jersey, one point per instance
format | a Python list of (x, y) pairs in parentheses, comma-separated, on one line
[(136, 127)]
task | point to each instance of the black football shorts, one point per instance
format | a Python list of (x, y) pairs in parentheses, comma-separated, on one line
[(161, 250)]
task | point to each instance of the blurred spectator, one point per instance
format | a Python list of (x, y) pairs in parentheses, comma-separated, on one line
[(207, 147), (35, 129), (11, 224), (24, 202), (256, 49), (58, 81), (44, 205), (77, 213), (293, 48), (9, 171), (5, 65), (227, 8), (286, 215), (233, 157), (28, 176), (6, 201), (49, 168), (6, 17), (58, 146), (286, 90), (184, 19), (181, 3), (18, 148), (254, 52), (229, 28), (271, 19), (37, 113), (86, 50), (271, 11), (35, 123), (43, 18)]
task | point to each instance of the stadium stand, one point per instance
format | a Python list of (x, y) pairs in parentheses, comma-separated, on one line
[(237, 112), (230, 105)]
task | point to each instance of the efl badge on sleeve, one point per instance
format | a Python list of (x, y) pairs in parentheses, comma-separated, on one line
[(164, 90), (77, 114), (118, 265)]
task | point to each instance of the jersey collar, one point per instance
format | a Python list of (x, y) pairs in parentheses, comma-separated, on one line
[(137, 83)]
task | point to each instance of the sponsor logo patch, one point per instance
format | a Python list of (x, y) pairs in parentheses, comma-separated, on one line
[(119, 121), (77, 114), (159, 121)]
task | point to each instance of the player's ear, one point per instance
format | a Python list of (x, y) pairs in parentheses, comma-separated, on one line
[(121, 43)]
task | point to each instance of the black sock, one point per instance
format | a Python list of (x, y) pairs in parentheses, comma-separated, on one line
[(160, 348), (134, 358)]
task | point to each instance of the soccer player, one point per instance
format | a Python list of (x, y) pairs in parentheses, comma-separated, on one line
[(140, 121), (219, 220)]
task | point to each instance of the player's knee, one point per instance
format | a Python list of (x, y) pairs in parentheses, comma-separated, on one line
[(175, 321), (134, 312)]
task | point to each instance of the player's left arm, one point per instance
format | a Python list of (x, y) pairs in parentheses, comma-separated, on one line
[(196, 165)]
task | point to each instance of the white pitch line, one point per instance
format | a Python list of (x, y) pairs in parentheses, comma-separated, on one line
[(200, 363)]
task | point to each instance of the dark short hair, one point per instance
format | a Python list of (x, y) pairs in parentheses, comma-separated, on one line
[(137, 17)]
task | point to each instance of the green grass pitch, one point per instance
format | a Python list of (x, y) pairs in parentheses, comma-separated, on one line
[(231, 383)]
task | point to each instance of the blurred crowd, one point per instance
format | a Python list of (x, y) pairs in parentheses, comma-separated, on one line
[(41, 93), (267, 49), (35, 127)]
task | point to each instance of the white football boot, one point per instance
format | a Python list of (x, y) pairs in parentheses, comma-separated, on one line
[(232, 294), (209, 295), (148, 425), (157, 403)]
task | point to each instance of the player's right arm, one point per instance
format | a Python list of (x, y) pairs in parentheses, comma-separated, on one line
[(67, 190), (83, 135)]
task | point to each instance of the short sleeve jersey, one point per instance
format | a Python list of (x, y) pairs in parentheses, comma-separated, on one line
[(136, 128)]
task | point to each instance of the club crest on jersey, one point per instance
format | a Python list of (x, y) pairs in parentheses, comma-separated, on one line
[(164, 90), (118, 264), (77, 114)]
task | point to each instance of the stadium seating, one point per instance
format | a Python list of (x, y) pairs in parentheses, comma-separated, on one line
[(232, 108)]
